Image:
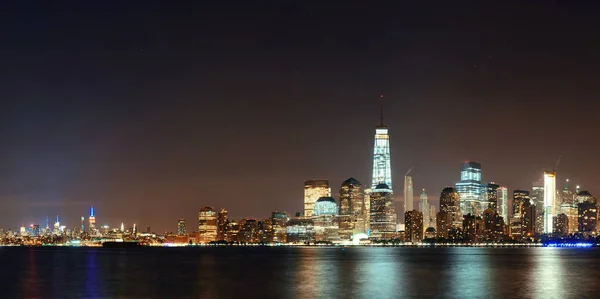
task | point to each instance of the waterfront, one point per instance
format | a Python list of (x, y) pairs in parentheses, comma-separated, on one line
[(285, 272)]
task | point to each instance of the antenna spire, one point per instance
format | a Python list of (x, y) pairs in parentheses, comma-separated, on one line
[(381, 109)]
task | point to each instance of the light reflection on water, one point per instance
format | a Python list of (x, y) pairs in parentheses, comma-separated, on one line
[(301, 273)]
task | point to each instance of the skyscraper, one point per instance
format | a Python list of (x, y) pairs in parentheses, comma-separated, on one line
[(537, 198), (181, 228), (408, 193), (207, 225), (549, 198), (424, 205), (313, 190), (520, 197), (352, 208), (587, 213), (414, 226), (383, 214), (222, 225), (449, 219), (382, 169), (491, 196), (503, 203), (92, 221), (469, 188)]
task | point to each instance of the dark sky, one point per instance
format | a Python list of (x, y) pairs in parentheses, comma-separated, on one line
[(149, 111)]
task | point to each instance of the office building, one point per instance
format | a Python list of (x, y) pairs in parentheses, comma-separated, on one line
[(503, 203), (382, 213), (490, 192), (325, 220), (313, 190), (473, 228), (279, 221), (382, 169), (181, 229), (352, 208), (549, 204), (414, 226), (561, 225), (207, 225), (587, 213), (248, 232), (449, 219), (408, 193), (470, 188), (222, 225), (537, 198), (300, 231), (520, 197), (424, 205), (528, 218)]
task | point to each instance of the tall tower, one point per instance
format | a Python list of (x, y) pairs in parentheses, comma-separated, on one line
[(92, 220), (469, 188), (382, 169), (503, 202), (408, 193), (424, 205), (549, 199), (313, 190), (181, 227)]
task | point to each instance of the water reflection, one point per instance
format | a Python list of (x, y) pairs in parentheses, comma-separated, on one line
[(91, 277), (548, 273)]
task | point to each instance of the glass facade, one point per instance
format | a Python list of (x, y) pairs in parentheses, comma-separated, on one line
[(352, 208), (382, 218), (470, 188), (408, 193), (207, 225), (491, 196), (414, 226), (382, 169), (181, 229), (549, 200), (313, 190)]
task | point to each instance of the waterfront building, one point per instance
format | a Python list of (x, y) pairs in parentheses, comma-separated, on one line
[(222, 225), (561, 225), (382, 169), (430, 233), (470, 188), (537, 198), (490, 195), (313, 190), (549, 200), (528, 218), (352, 210), (181, 229), (408, 193), (503, 203), (382, 213), (449, 219), (493, 226), (300, 230), (520, 197), (232, 231), (279, 221), (588, 213), (472, 227), (325, 222), (414, 226), (248, 232), (265, 231), (207, 225)]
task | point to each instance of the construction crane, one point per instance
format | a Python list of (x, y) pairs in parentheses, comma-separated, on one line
[(409, 171), (557, 163)]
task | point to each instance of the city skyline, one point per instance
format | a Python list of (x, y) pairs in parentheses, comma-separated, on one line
[(153, 112)]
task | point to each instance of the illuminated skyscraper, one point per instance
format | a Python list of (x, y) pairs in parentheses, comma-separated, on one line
[(587, 213), (313, 190), (503, 203), (450, 203), (470, 188), (326, 226), (222, 225), (537, 198), (352, 208), (520, 197), (490, 192), (414, 226), (92, 221), (382, 169), (549, 200), (408, 193), (181, 229), (424, 206), (383, 214), (279, 221), (207, 225)]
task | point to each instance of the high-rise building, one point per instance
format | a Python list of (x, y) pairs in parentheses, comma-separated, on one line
[(326, 226), (424, 206), (490, 192), (493, 226), (248, 231), (528, 218), (587, 213), (470, 188), (92, 221), (313, 190), (382, 169), (222, 225), (181, 228), (414, 226), (503, 203), (561, 225), (352, 208), (549, 196), (473, 228), (449, 219), (520, 197), (279, 221), (537, 198), (300, 230), (383, 214), (432, 216), (207, 225), (408, 193)]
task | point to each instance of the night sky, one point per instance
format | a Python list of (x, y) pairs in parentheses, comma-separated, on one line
[(150, 111)]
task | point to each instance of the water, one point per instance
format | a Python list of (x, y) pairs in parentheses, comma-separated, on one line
[(269, 272)]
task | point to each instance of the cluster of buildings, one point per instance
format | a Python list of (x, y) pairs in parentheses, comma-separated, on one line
[(470, 212)]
